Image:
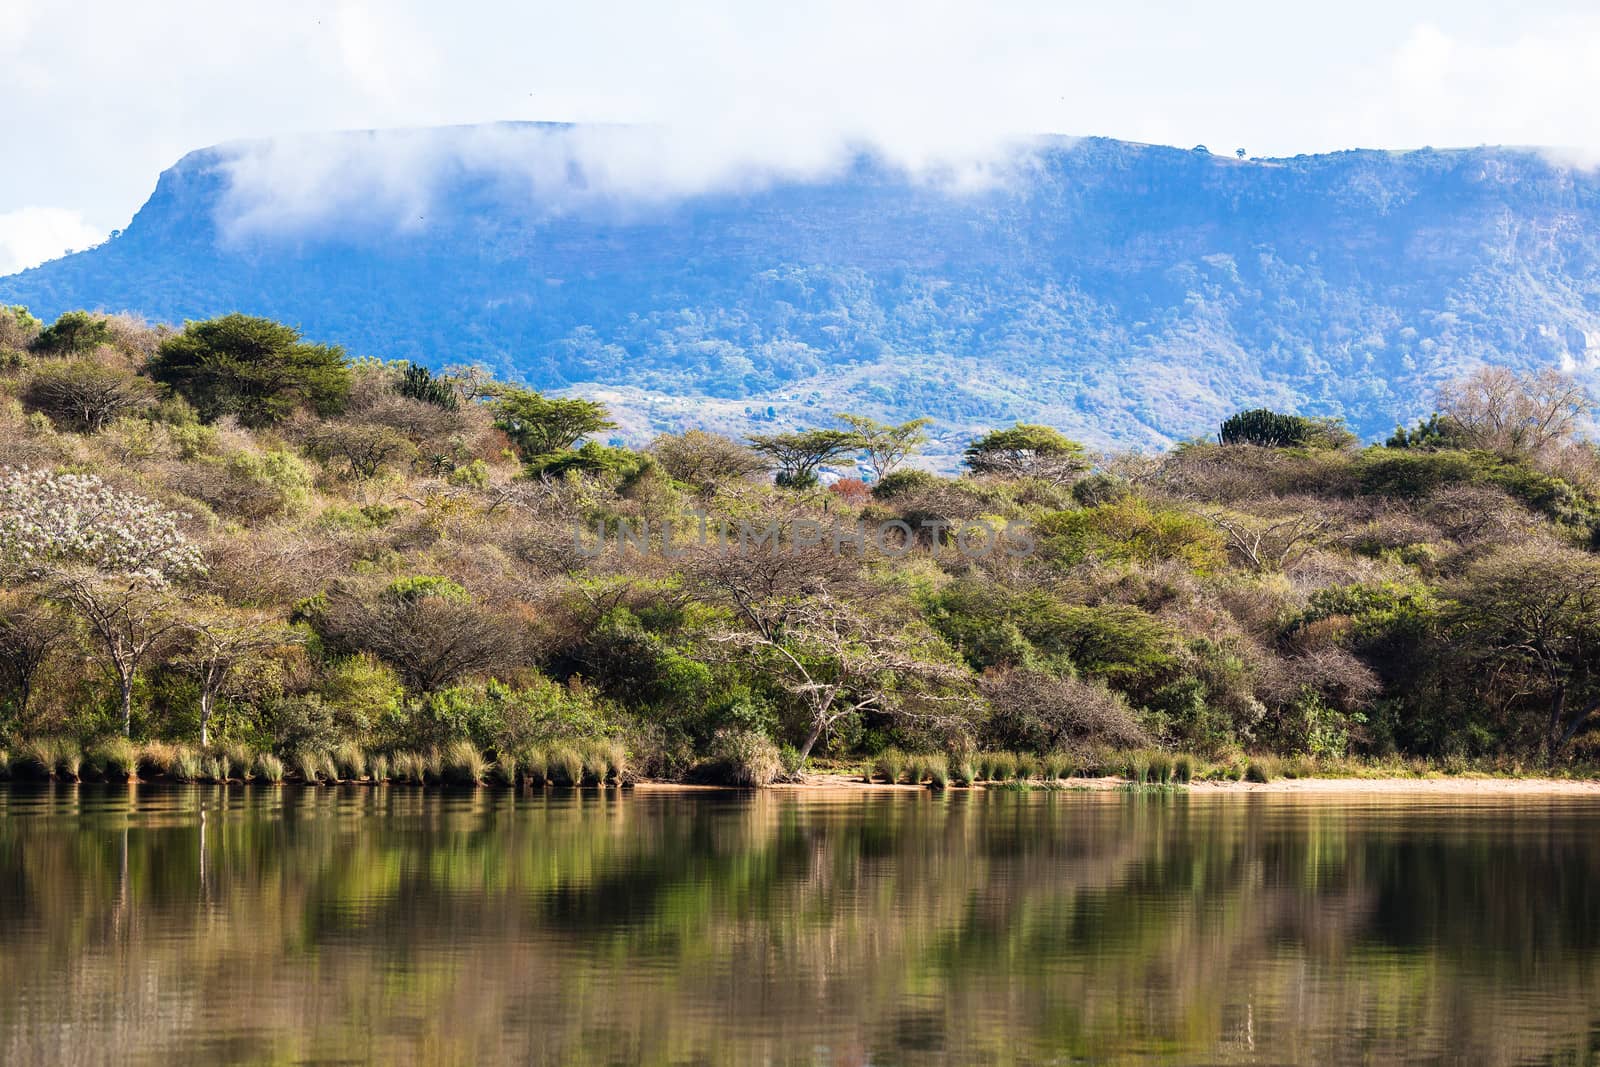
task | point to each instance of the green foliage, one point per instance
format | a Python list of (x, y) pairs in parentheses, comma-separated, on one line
[(418, 383), (74, 333), (1132, 531), (540, 426), (1027, 451), (1271, 429), (1436, 431), (254, 369)]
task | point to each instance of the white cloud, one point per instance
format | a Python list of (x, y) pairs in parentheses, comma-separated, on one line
[(31, 235), (99, 95)]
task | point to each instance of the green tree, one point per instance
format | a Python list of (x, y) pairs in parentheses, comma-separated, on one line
[(74, 333), (1027, 451), (252, 368), (886, 445), (797, 455), (540, 425)]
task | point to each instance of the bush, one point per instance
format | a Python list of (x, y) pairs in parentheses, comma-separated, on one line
[(745, 758)]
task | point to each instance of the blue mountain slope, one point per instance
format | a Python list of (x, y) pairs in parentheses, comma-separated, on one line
[(1130, 293)]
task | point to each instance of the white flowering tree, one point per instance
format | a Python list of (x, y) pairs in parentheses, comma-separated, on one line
[(111, 555)]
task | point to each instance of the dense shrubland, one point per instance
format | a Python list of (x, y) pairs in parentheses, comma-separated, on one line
[(226, 551)]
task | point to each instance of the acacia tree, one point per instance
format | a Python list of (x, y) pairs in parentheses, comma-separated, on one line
[(427, 628), (540, 425), (1532, 613), (219, 646), (797, 455), (832, 658), (886, 445), (1027, 451), (109, 555)]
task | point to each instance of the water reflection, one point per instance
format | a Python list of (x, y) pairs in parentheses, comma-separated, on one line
[(357, 925)]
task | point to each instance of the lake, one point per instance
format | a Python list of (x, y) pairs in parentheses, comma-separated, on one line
[(388, 925)]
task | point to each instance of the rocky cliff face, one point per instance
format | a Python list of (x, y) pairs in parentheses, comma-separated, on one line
[(1128, 293)]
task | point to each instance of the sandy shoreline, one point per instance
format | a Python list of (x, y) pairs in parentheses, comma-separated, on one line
[(1464, 785)]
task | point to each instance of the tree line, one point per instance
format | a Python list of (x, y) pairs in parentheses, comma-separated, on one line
[(227, 534)]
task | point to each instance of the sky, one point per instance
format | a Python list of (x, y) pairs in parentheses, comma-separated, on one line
[(98, 96)]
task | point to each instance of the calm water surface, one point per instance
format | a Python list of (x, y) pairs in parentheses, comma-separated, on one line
[(261, 925)]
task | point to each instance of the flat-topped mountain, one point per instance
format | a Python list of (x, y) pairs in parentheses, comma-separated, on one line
[(1127, 293)]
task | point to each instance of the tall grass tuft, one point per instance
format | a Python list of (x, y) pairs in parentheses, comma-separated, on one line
[(409, 767), (1300, 767), (212, 770), (745, 758), (1056, 766), (1263, 769), (1183, 769), (433, 766), (5, 765), (938, 772), (464, 764), (1160, 768), (378, 767), (351, 761), (113, 758), (504, 769), (916, 768), (566, 765), (1137, 768), (535, 767), (1029, 766), (270, 767), (155, 757), (1002, 766), (594, 765), (186, 764), (890, 765), (37, 758), (309, 766), (616, 756), (964, 773), (69, 760), (237, 760)]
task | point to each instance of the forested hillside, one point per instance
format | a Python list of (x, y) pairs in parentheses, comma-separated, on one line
[(243, 551), (1130, 294)]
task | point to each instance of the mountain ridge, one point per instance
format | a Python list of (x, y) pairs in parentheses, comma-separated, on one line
[(1132, 294)]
